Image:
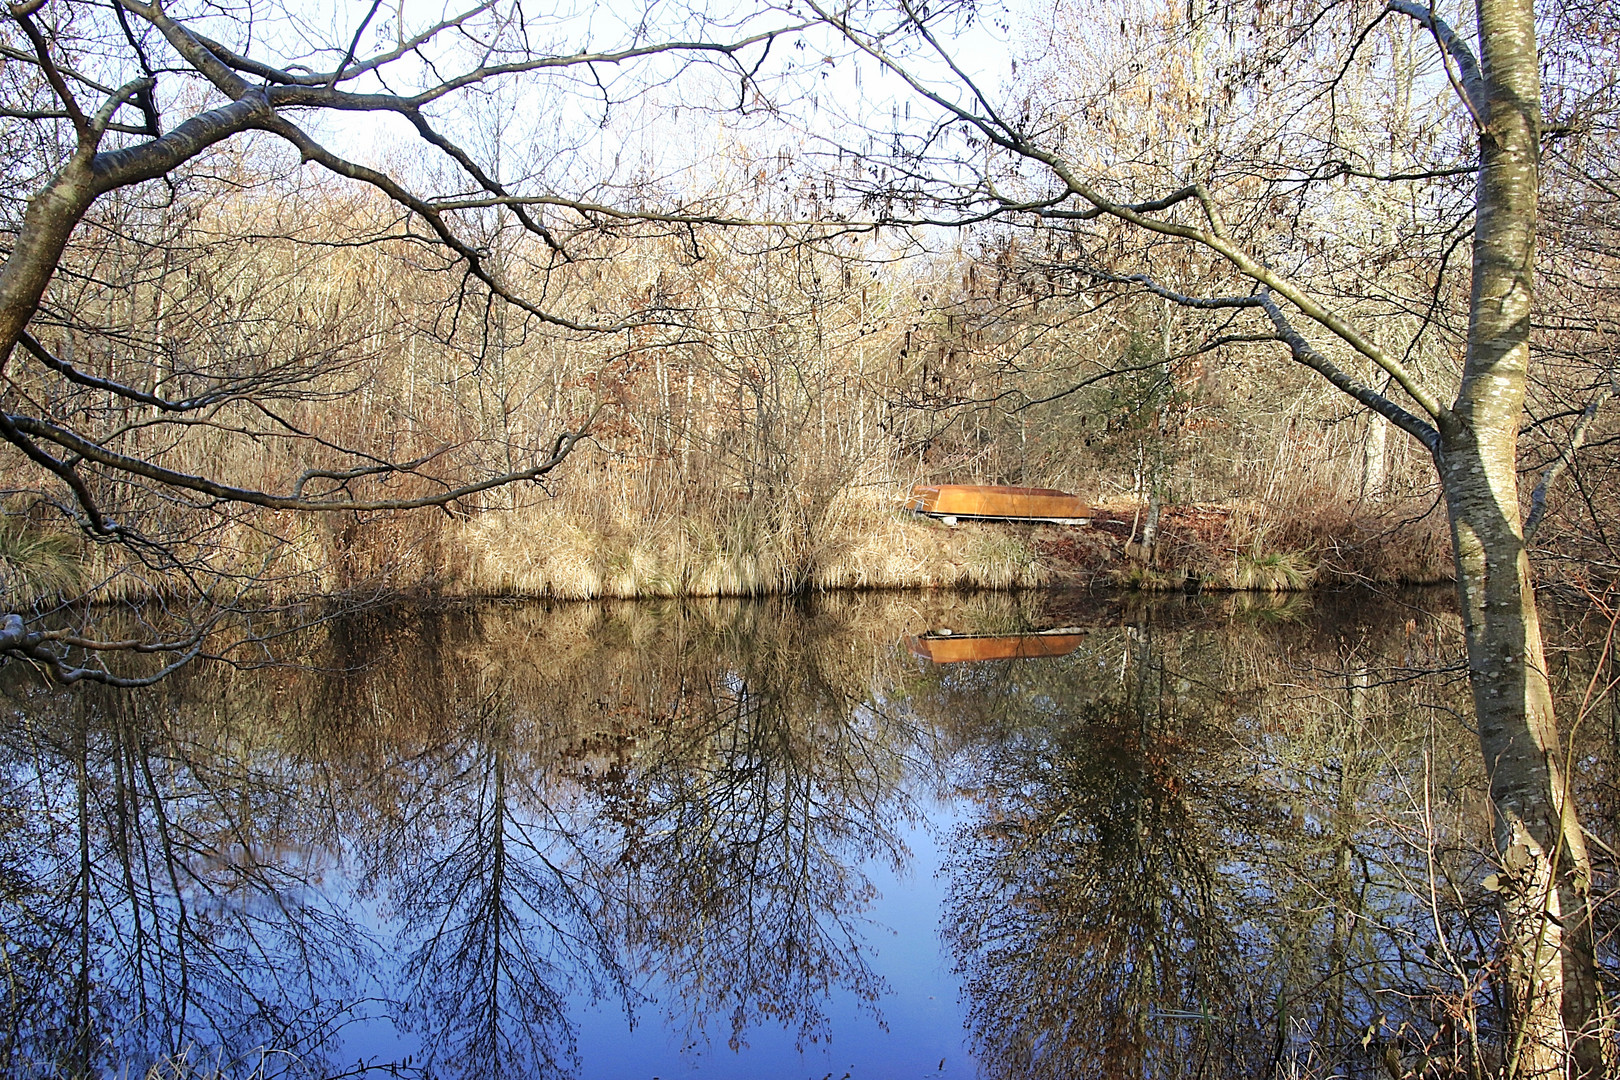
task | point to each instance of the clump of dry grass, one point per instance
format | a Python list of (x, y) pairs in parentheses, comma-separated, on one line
[(36, 564), (1273, 571)]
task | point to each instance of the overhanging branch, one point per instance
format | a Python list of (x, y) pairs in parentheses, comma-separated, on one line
[(133, 466), (1300, 348)]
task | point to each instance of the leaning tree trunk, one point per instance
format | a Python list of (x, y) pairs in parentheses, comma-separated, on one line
[(1543, 883)]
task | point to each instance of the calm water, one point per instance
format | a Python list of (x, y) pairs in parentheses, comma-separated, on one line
[(1205, 837)]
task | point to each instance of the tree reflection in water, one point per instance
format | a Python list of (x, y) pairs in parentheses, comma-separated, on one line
[(162, 899), (1202, 844), (1086, 904), (1199, 856), (757, 800), (535, 806), (498, 918)]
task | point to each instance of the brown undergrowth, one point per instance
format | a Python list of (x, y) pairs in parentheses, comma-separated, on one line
[(623, 548), (1249, 547)]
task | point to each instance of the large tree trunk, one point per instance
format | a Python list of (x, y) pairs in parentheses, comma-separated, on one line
[(1543, 883)]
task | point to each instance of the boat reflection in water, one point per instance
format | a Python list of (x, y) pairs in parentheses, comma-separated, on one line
[(944, 647), (745, 839)]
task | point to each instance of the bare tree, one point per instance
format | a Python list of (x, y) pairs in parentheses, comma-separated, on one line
[(1231, 213)]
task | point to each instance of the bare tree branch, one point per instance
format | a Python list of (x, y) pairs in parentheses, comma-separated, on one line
[(1566, 457), (1462, 68)]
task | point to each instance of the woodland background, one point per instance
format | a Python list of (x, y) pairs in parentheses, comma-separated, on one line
[(785, 368)]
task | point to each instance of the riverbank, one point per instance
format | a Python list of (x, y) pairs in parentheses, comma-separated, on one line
[(1246, 548), (560, 550), (867, 544)]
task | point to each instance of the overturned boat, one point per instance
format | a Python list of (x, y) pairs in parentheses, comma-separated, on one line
[(988, 502)]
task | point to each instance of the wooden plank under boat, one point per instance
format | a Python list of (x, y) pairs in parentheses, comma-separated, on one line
[(956, 648), (997, 503)]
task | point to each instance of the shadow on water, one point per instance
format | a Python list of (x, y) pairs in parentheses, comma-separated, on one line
[(1206, 840)]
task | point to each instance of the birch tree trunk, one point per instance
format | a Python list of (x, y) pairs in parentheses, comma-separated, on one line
[(1543, 884)]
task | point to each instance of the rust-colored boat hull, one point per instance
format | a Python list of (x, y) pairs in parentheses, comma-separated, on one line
[(989, 501), (955, 650)]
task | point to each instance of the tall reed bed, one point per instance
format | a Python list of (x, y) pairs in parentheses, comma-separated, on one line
[(858, 540), (1295, 545)]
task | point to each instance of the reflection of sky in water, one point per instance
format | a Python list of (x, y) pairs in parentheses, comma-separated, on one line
[(918, 1022), (916, 1026)]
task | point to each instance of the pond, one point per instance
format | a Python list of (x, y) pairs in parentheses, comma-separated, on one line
[(892, 835)]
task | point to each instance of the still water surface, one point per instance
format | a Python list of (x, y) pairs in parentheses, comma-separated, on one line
[(1205, 837)]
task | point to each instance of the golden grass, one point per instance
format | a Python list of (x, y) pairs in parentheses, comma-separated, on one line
[(1273, 571), (858, 542), (611, 542), (36, 564)]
